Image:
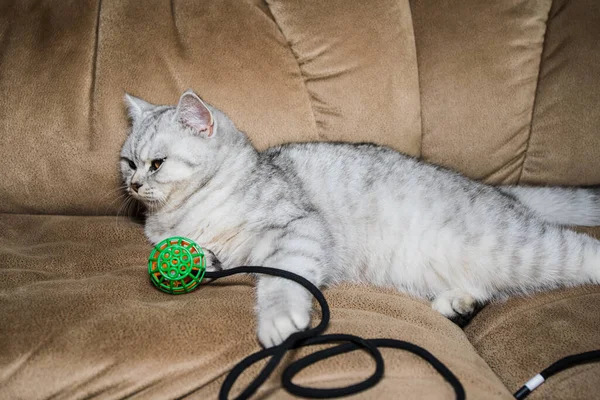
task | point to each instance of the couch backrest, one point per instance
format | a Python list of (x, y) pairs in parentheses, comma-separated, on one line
[(505, 91)]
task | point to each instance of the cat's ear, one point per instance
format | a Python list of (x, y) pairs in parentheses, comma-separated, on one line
[(136, 106), (194, 113)]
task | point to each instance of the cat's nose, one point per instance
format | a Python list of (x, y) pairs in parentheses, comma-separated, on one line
[(136, 186)]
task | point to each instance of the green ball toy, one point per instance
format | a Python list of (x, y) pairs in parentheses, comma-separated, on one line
[(176, 265)]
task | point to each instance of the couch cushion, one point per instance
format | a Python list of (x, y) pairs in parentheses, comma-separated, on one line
[(359, 64), (66, 66), (478, 68), (509, 88), (564, 139), (80, 318), (523, 336)]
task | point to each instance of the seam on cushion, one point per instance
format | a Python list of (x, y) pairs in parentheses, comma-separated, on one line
[(265, 9), (510, 167), (304, 77), (178, 39), (418, 78), (92, 95), (535, 93), (520, 310)]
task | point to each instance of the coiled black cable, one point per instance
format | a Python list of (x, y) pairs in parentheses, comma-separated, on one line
[(313, 336)]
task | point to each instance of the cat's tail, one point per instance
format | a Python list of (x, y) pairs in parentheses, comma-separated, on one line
[(538, 257), (559, 257), (559, 205)]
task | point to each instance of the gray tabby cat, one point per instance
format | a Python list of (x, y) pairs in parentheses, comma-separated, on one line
[(348, 212)]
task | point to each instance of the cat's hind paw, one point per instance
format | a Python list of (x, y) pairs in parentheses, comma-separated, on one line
[(456, 305)]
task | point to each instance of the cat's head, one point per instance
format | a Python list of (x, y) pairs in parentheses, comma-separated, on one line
[(172, 148)]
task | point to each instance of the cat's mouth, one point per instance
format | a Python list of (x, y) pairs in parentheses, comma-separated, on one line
[(153, 202), (145, 198)]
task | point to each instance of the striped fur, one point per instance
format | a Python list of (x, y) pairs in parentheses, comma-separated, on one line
[(335, 212)]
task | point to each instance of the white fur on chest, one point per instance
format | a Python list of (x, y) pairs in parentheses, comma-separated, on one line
[(218, 229)]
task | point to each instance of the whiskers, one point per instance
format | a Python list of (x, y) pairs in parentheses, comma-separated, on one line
[(162, 199), (155, 200), (129, 207), (117, 194)]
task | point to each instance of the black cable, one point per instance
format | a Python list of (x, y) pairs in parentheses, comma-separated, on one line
[(558, 366), (313, 336)]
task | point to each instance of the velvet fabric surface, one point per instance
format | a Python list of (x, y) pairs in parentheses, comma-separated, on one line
[(503, 91)]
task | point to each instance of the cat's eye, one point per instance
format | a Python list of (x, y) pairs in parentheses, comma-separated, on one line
[(155, 164), (131, 164)]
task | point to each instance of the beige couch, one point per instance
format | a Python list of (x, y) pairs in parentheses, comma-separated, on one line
[(505, 91)]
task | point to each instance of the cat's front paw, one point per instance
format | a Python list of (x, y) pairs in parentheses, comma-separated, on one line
[(273, 330), (212, 262)]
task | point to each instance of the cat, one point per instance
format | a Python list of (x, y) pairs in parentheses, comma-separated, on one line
[(335, 212)]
